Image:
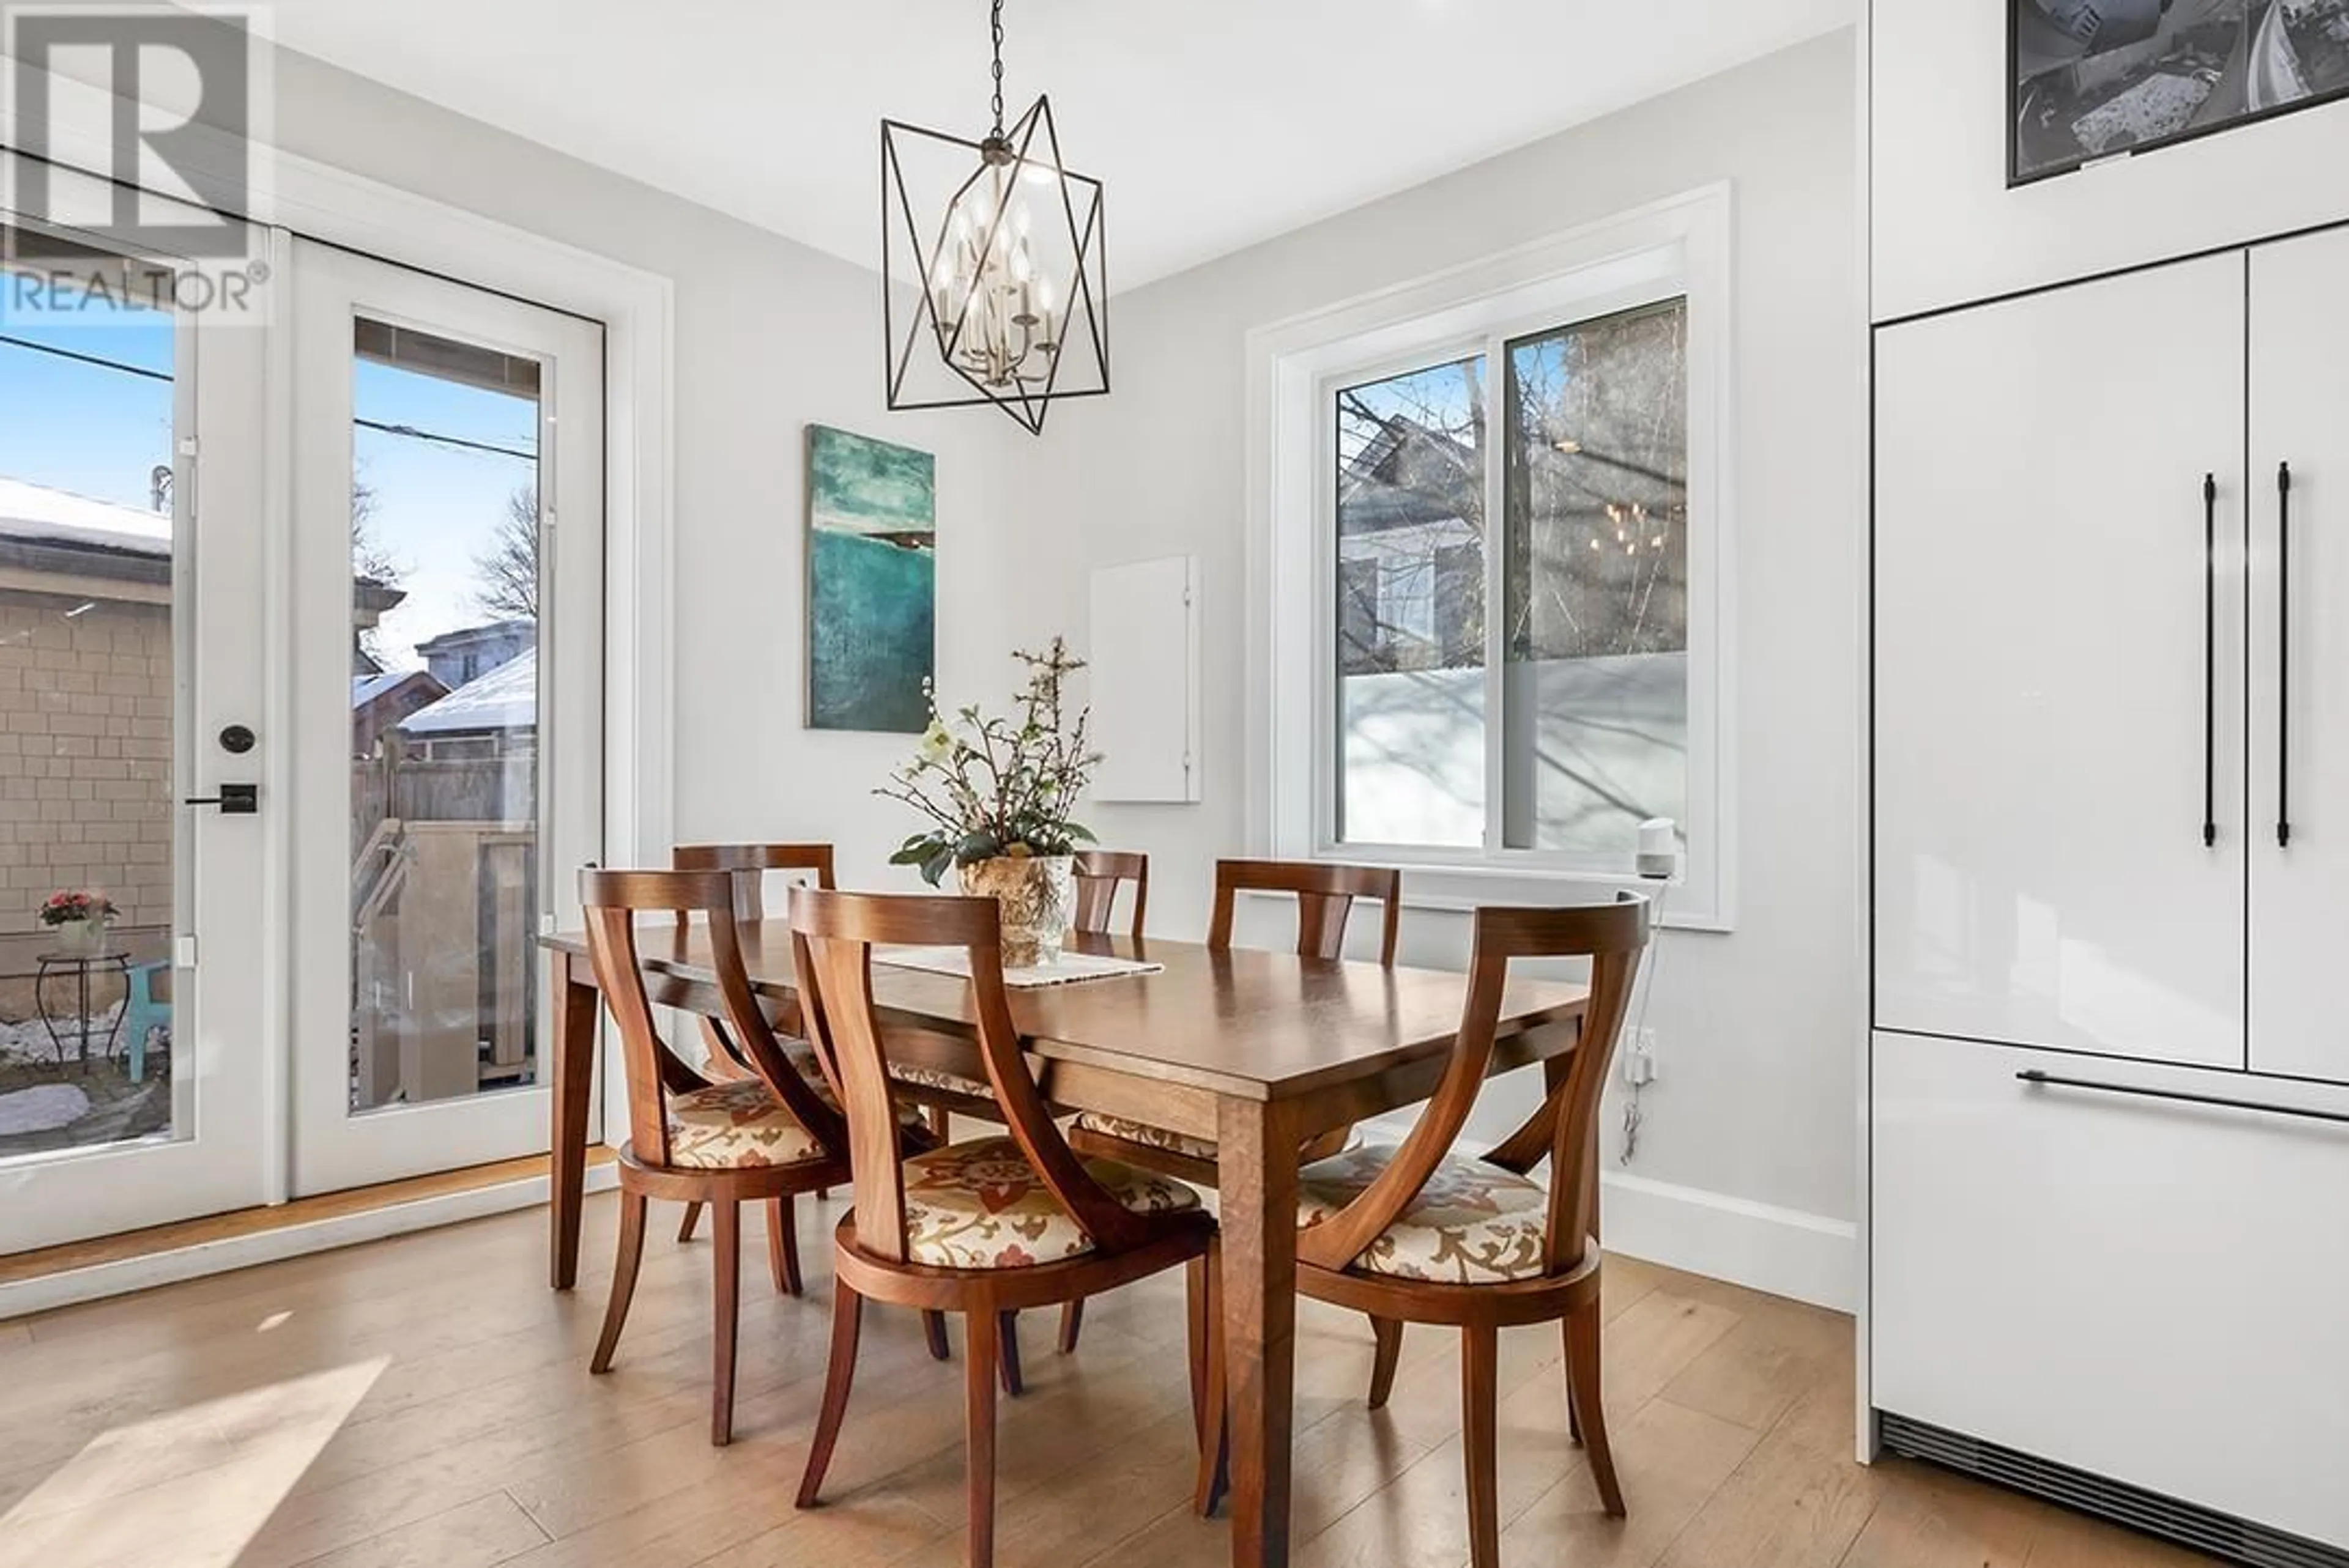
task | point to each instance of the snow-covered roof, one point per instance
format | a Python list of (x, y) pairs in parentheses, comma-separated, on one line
[(505, 698), (365, 689), (31, 511)]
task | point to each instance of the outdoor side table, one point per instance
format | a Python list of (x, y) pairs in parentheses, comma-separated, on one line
[(78, 966)]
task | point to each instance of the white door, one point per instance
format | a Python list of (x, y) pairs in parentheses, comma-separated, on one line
[(133, 1085), (2299, 660), (448, 482), (2047, 724)]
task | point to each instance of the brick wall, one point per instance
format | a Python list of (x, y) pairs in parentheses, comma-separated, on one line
[(85, 756)]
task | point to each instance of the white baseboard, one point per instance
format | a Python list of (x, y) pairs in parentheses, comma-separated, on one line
[(1783, 1252), (128, 1275)]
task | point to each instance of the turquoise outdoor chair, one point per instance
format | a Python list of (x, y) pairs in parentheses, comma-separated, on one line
[(141, 1014)]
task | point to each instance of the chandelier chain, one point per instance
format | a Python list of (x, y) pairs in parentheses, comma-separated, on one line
[(998, 28)]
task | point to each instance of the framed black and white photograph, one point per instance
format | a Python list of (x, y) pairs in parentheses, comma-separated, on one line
[(2098, 78)]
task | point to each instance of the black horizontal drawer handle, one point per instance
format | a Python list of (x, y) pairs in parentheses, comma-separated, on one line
[(2051, 1080)]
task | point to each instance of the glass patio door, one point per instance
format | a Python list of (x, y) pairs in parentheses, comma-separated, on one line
[(134, 1088), (447, 609)]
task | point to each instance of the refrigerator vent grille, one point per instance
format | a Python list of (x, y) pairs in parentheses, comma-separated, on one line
[(2203, 1528)]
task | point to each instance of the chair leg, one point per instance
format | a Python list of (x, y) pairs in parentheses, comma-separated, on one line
[(983, 1328), (783, 1245), (1072, 1319), (624, 1277), (1388, 1332), (1197, 1308), (1480, 1373), (1582, 1373), (1208, 1404), (727, 1304), (847, 1313), (692, 1218), (1008, 1355), (934, 1331)]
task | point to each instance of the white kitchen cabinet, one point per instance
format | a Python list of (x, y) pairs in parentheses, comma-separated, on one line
[(2300, 662), (2043, 742), (2142, 1288)]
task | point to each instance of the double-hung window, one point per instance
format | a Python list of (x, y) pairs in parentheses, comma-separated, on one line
[(1495, 606)]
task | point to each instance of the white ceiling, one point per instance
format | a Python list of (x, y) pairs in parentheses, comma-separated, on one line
[(1213, 123)]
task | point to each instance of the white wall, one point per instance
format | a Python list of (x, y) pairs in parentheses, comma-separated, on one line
[(770, 335), (1746, 1166), (1753, 1113), (1947, 231)]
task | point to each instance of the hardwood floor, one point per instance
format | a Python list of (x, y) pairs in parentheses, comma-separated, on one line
[(425, 1401)]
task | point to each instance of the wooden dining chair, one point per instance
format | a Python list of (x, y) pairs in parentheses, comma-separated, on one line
[(982, 1228), (1100, 873), (749, 864), (1325, 895), (1418, 1234), (765, 1136)]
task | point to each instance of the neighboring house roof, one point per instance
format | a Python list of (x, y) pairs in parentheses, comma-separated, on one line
[(1408, 476), (46, 530), (494, 631), (366, 689), (505, 698), (37, 514)]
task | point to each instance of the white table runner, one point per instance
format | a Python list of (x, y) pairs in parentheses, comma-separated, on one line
[(1072, 968)]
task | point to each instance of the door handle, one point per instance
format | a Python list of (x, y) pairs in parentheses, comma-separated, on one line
[(2283, 655), (2210, 661), (2039, 1079), (234, 800)]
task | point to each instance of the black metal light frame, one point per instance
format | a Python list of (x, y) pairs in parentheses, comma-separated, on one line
[(1080, 207)]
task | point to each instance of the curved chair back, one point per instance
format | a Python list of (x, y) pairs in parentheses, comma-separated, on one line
[(1099, 872), (614, 901), (749, 863), (1325, 897), (832, 936), (1564, 1131)]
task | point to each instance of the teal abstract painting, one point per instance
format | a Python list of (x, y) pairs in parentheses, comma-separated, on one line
[(872, 581)]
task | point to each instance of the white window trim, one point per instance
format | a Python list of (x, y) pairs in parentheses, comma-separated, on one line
[(1680, 246)]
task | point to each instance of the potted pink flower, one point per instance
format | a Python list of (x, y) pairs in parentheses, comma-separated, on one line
[(79, 917)]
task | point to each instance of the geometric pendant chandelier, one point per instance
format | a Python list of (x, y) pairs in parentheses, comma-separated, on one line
[(994, 274)]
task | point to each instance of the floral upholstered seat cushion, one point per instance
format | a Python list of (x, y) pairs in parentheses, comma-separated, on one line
[(1104, 1125), (735, 1124), (802, 1057), (946, 1082), (1473, 1223), (980, 1205), (1118, 1127)]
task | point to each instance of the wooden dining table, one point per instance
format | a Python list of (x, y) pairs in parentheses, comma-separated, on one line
[(1256, 1050)]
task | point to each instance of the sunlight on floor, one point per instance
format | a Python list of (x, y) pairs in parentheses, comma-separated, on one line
[(229, 1464)]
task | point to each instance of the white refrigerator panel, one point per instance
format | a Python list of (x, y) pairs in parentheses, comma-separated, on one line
[(2300, 661), (2051, 704), (2144, 1288)]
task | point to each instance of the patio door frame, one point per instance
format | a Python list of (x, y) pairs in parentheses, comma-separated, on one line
[(223, 907), (637, 309), (335, 1146)]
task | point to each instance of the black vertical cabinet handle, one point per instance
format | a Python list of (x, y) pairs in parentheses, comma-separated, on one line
[(2283, 655), (2209, 660)]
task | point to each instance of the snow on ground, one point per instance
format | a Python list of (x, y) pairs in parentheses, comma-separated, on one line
[(29, 1041)]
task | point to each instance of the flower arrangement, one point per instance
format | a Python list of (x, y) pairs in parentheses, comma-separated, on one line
[(994, 787), (67, 905)]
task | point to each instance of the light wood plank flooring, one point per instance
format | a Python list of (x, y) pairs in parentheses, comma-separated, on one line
[(424, 1402)]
